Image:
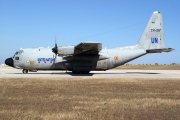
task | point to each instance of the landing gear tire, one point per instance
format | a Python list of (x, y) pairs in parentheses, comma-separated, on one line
[(85, 72), (75, 72), (82, 72), (25, 71)]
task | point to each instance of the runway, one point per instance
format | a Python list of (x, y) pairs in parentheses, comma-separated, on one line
[(7, 72)]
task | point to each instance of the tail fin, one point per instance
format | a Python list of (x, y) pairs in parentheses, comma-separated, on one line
[(153, 35)]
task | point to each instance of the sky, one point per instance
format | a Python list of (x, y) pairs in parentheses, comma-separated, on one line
[(114, 23)]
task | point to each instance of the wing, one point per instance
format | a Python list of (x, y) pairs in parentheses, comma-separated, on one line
[(88, 48)]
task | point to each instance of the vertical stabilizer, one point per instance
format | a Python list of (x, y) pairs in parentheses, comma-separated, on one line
[(153, 35)]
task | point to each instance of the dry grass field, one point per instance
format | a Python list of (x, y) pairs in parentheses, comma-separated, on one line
[(150, 67), (89, 99)]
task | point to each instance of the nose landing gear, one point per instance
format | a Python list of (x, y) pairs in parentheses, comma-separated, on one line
[(25, 71)]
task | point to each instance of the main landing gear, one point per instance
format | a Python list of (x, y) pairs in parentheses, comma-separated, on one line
[(80, 72), (25, 71)]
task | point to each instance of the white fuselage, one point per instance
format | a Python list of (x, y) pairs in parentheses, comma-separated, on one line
[(45, 59)]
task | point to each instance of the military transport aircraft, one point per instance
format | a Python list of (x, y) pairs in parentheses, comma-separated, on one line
[(89, 56)]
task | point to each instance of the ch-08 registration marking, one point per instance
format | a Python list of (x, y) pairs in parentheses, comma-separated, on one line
[(46, 59)]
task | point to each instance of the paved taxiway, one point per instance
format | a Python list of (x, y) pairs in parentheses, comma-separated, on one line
[(7, 72)]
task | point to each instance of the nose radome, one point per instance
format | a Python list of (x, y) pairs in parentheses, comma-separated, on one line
[(9, 62)]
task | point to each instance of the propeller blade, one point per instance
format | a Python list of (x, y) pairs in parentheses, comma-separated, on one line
[(55, 49)]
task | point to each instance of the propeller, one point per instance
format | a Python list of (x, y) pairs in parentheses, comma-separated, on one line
[(55, 49)]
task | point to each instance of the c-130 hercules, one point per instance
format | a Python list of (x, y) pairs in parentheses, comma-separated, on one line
[(89, 56)]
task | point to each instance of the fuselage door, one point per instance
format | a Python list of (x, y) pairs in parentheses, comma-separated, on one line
[(104, 64), (32, 65)]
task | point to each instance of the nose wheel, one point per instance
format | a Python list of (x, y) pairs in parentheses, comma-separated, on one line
[(25, 71)]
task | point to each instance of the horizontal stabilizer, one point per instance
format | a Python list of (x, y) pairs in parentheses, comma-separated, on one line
[(159, 50)]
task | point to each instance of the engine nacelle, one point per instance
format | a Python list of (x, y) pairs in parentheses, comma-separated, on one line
[(65, 50)]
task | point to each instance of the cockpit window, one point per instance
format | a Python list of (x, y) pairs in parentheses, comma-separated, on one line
[(18, 53), (21, 51), (16, 58)]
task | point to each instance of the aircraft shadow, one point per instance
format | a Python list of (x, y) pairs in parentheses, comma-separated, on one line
[(70, 73), (141, 73), (131, 73)]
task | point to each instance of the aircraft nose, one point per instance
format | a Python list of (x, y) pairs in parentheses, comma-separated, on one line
[(9, 62)]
